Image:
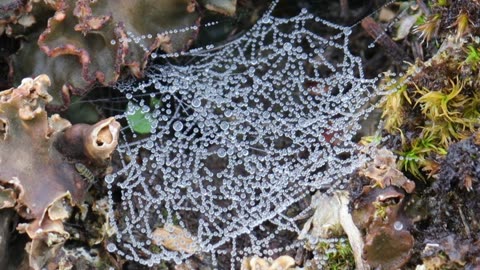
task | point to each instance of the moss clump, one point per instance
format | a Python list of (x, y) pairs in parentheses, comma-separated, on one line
[(338, 255), (447, 17), (435, 104)]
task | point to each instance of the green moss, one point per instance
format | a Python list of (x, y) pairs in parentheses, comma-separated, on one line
[(442, 3), (394, 104), (436, 103), (155, 249), (473, 57), (380, 210), (340, 257)]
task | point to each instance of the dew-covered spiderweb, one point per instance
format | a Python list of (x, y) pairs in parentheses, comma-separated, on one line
[(236, 138)]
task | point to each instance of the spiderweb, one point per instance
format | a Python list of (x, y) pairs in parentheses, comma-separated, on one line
[(236, 139)]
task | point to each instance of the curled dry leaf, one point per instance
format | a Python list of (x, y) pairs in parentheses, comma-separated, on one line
[(256, 263), (331, 217), (405, 26), (175, 238), (227, 7), (325, 221)]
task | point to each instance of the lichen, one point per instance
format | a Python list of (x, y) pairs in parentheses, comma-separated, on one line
[(379, 211), (91, 42), (15, 16), (37, 178)]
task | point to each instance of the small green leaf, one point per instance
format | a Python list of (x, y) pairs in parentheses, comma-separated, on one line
[(138, 121), (155, 101)]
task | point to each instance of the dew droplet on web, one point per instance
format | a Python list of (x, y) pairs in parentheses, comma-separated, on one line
[(177, 126), (196, 102), (111, 247), (221, 152)]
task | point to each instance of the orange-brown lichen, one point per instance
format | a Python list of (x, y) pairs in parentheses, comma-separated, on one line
[(380, 212), (29, 162), (37, 179), (85, 42), (383, 172), (388, 248), (13, 14)]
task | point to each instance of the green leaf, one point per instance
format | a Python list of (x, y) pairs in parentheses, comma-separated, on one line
[(155, 101), (138, 121)]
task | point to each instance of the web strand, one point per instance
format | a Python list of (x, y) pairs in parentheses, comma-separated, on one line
[(238, 137)]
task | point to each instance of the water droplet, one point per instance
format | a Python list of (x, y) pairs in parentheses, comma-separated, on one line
[(113, 42), (224, 125), (111, 247), (266, 19), (397, 225), (196, 103), (149, 145), (145, 109), (109, 179), (222, 152), (177, 126)]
